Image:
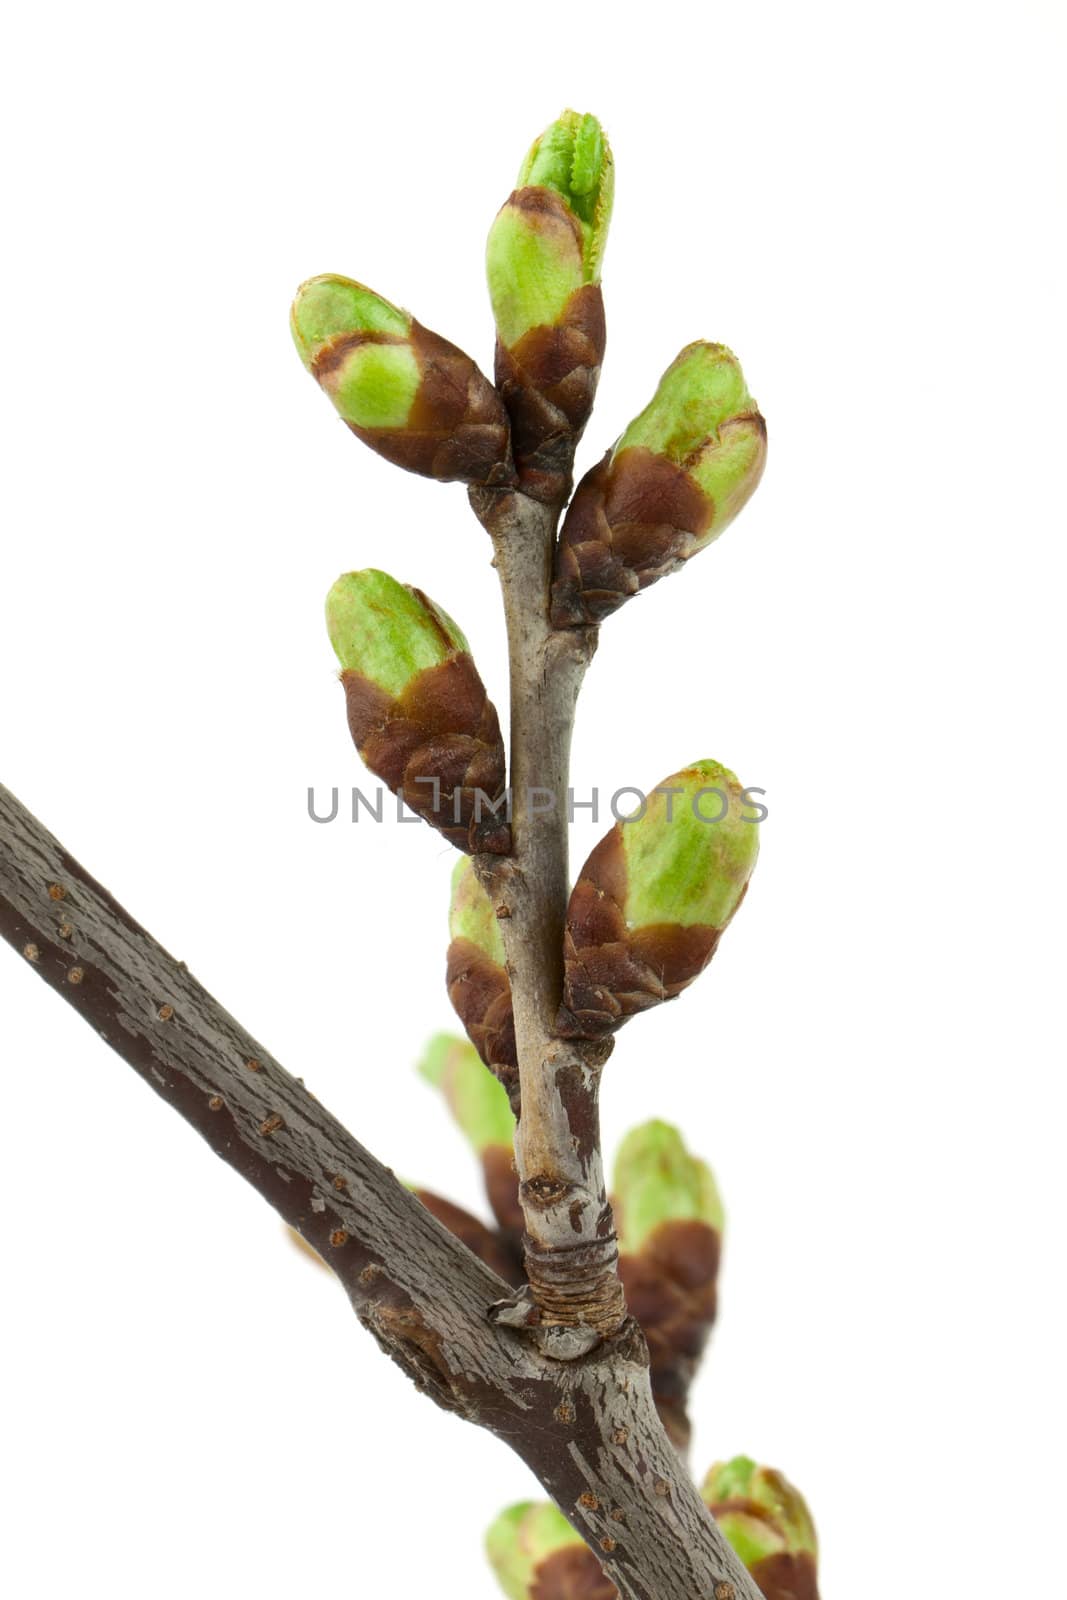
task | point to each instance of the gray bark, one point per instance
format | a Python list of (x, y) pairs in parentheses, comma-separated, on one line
[(570, 1246), (586, 1427)]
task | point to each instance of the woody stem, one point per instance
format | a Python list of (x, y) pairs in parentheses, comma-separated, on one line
[(587, 1428), (570, 1247)]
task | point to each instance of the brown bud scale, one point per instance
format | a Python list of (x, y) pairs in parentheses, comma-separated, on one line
[(548, 378), (487, 1245), (457, 427), (502, 1187), (670, 1288), (480, 992), (632, 521), (439, 747), (787, 1577), (610, 971), (573, 1573)]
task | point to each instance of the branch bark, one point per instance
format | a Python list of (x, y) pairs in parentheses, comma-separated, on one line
[(587, 1427), (570, 1245)]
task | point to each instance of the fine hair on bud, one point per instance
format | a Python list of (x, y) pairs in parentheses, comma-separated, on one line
[(418, 712)]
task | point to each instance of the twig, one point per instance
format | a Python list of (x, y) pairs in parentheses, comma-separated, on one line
[(570, 1245)]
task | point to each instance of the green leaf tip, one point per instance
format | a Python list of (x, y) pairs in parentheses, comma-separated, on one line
[(689, 856), (387, 631), (520, 1539), (657, 1181), (548, 240), (572, 157), (477, 1101)]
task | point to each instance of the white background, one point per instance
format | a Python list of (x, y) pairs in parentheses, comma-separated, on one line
[(864, 203)]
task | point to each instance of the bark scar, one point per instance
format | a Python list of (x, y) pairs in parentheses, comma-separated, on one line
[(406, 1338)]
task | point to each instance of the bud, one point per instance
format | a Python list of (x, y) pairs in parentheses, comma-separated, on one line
[(669, 1220), (476, 1100), (543, 264), (657, 1184), (477, 979), (769, 1526), (403, 390), (483, 1242), (479, 1106), (537, 1555), (680, 473), (651, 902), (417, 709)]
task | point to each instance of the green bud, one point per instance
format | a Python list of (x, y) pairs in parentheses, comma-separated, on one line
[(653, 899), (480, 991), (330, 305), (478, 1103), (436, 1060), (387, 631), (476, 1097), (703, 420), (534, 266), (405, 391), (543, 262), (375, 384), (669, 1220), (767, 1522), (572, 157), (752, 1539), (682, 867), (658, 1181), (676, 478), (418, 712), (541, 250), (521, 1539), (471, 915), (702, 387)]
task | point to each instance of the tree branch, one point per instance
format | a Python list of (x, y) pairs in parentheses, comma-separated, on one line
[(570, 1245), (386, 1249), (587, 1428)]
